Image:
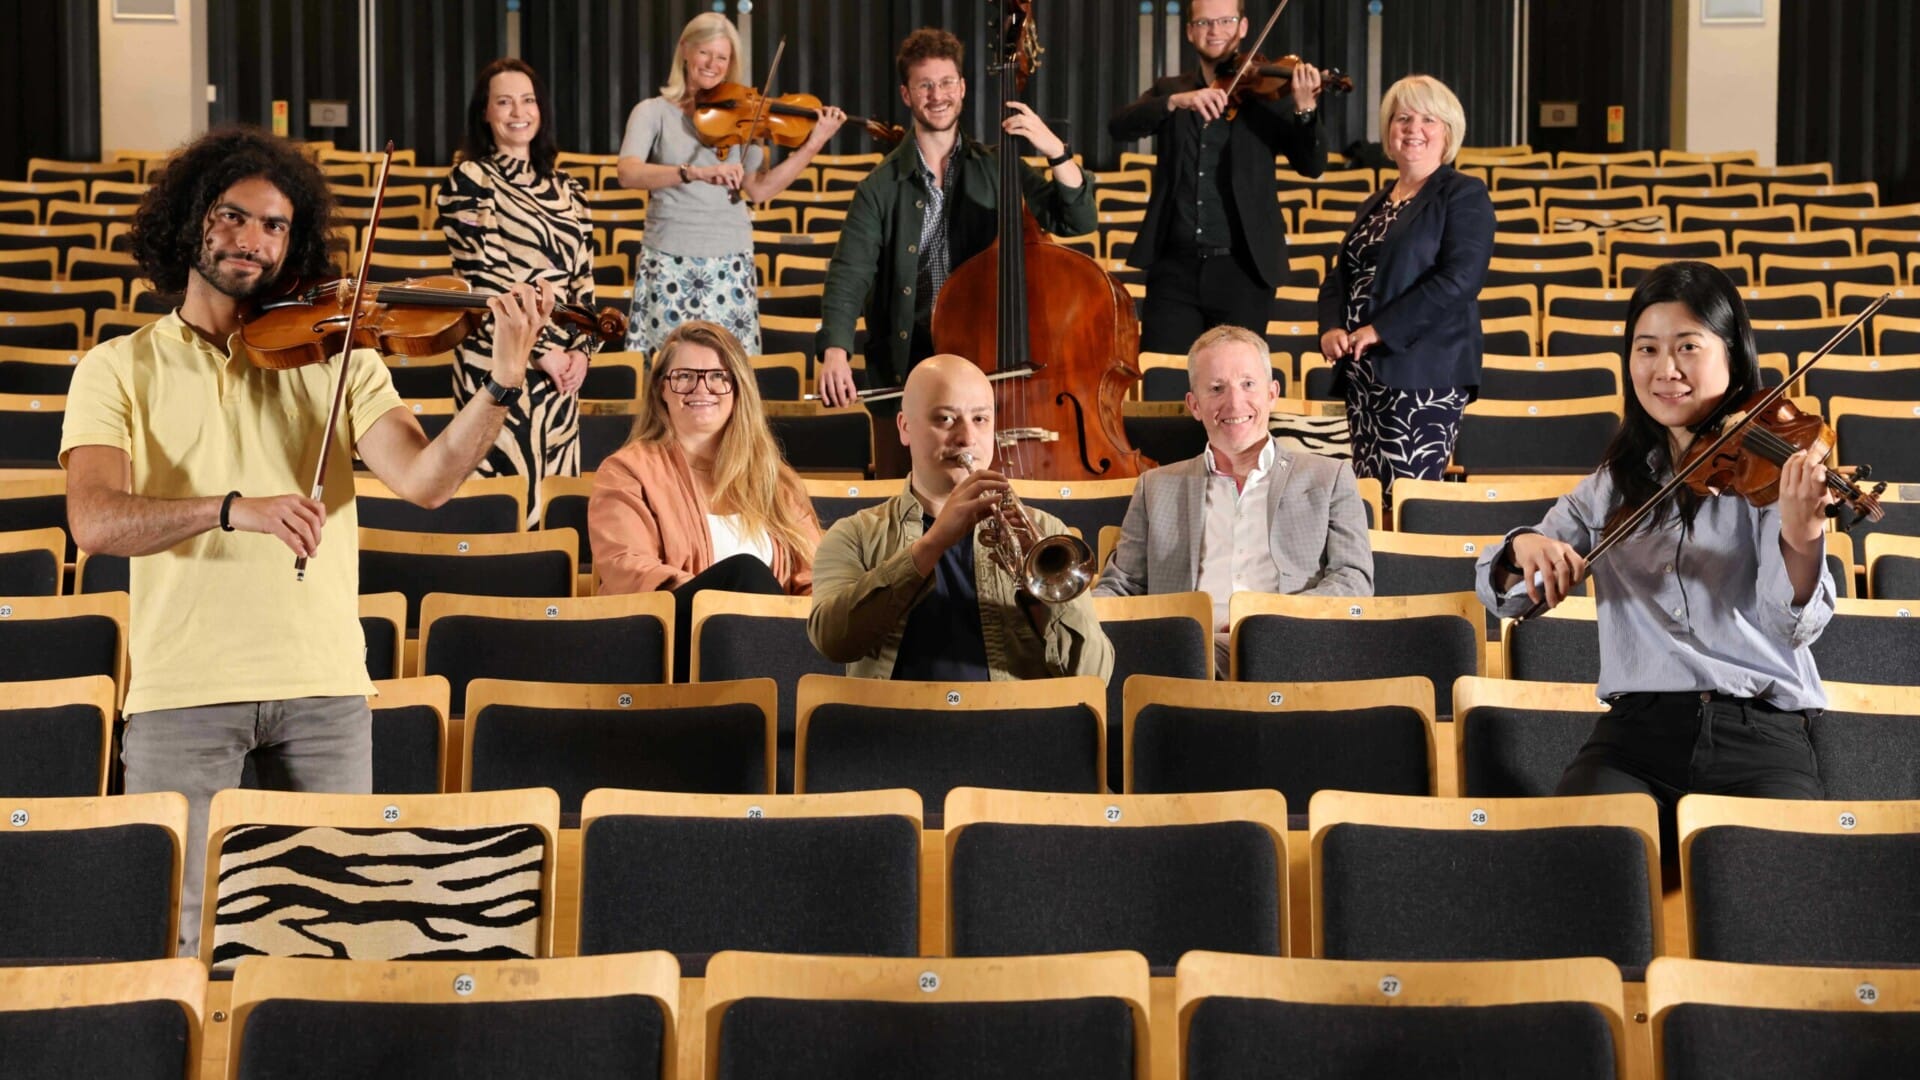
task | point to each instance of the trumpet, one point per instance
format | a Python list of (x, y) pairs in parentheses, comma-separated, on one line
[(1054, 569)]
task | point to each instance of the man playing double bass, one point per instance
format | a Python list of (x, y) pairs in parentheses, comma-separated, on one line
[(193, 462), (925, 210), (1213, 245)]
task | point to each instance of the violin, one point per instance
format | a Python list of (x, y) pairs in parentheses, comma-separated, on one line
[(730, 115), (1745, 454), (1257, 78), (307, 323), (1750, 466)]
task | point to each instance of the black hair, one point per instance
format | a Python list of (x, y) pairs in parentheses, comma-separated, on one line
[(1640, 453), (169, 227), (479, 144)]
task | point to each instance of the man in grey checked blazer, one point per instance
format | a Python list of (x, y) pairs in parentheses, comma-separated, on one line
[(1245, 514)]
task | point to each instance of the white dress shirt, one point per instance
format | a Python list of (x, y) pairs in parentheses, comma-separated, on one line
[(1236, 551)]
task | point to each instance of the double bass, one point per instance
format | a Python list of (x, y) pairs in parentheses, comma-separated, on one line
[(1057, 331)]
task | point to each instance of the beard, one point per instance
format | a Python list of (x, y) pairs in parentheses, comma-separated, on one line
[(231, 284)]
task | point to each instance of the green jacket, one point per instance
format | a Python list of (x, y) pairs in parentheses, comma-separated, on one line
[(877, 261), (865, 585)]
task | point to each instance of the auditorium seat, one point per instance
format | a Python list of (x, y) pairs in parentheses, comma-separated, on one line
[(1316, 638), (1883, 434), (1548, 378), (1893, 567), (55, 737), (1244, 1016), (1773, 1023), (140, 1019), (574, 737), (1083, 1016), (1480, 507), (29, 502), (1530, 436), (31, 562), (1894, 379), (746, 636), (1870, 641), (563, 505), (696, 874), (1156, 634), (1032, 873), (1560, 645), (1790, 881), (1515, 739), (410, 734), (861, 734), (1294, 738), (494, 1016), (91, 878), (587, 639), (835, 499), (30, 427), (532, 564), (817, 439), (379, 877), (1399, 878), (482, 504), (63, 637)]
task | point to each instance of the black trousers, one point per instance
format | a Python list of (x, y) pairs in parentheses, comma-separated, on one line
[(737, 573), (1670, 744), (1190, 292)]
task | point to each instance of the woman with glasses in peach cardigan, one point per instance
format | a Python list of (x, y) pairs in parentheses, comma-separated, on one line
[(700, 496)]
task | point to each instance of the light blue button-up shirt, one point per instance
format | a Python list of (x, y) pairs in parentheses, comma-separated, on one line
[(1710, 610)]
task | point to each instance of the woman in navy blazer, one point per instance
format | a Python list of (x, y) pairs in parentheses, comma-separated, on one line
[(1399, 311)]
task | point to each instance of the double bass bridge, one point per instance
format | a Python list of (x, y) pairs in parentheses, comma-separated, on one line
[(1012, 436)]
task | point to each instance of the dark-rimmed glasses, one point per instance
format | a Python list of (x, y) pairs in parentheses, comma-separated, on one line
[(682, 380)]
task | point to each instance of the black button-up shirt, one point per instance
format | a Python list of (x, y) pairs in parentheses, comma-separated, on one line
[(1200, 190)]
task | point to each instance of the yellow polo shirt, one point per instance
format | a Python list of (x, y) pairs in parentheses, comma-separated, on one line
[(219, 617)]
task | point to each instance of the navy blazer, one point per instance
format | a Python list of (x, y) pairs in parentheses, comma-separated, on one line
[(1426, 285)]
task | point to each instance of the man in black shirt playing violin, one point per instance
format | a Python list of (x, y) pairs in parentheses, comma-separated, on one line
[(1213, 244)]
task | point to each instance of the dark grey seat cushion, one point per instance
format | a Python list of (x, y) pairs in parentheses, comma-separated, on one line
[(1245, 1037), (1176, 648), (577, 1038), (754, 647), (103, 894), (719, 749), (406, 750), (1519, 753), (1279, 648), (1157, 890), (1786, 1044), (1524, 894), (771, 1039), (861, 748), (626, 650), (1296, 753), (696, 886), (66, 648), (1763, 896), (51, 752), (1867, 755), (139, 1040)]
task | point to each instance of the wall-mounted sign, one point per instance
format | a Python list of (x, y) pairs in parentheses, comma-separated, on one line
[(1733, 11), (147, 10), (1559, 114)]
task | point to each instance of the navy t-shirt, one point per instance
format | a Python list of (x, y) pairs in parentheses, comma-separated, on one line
[(943, 641)]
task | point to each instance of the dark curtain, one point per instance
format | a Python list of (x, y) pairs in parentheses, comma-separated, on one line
[(1617, 53), (1848, 91), (49, 82), (1467, 44), (260, 51)]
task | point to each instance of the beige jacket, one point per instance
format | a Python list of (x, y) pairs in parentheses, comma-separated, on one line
[(865, 585)]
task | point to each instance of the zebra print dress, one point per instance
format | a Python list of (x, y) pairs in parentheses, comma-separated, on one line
[(507, 224)]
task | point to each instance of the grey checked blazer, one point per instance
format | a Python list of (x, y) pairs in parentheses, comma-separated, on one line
[(1318, 531)]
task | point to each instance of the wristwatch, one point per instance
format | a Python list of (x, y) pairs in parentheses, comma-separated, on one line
[(1301, 116), (1065, 155), (503, 396), (685, 176)]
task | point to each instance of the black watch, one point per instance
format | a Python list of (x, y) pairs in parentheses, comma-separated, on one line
[(1066, 155), (504, 396)]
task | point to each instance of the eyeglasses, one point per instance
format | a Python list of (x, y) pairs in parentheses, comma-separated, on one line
[(945, 86), (682, 380), (1224, 22)]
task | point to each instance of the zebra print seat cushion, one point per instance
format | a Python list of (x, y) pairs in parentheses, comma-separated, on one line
[(378, 894), (1324, 435)]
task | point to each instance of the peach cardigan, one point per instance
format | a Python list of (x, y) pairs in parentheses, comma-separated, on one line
[(648, 523)]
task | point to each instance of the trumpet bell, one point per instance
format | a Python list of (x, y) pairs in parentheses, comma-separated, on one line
[(1058, 568)]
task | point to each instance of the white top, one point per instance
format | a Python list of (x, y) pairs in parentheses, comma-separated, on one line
[(1235, 549), (724, 529)]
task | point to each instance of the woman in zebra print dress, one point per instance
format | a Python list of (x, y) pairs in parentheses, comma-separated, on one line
[(510, 216), (1398, 313)]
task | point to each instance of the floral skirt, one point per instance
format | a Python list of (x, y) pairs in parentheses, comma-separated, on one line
[(671, 289), (1400, 433)]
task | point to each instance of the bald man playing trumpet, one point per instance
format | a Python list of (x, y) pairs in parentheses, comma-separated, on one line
[(907, 589)]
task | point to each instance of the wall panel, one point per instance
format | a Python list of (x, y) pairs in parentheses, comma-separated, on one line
[(49, 82), (1848, 90)]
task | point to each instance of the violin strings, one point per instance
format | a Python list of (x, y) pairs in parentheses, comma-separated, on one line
[(1777, 450)]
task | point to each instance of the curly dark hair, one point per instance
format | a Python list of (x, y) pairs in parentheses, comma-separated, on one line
[(168, 228), (928, 43), (479, 145)]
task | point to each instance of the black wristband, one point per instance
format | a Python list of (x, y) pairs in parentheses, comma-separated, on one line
[(1066, 155), (226, 507)]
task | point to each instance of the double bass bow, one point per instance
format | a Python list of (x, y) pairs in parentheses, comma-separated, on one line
[(1752, 440), (1028, 304)]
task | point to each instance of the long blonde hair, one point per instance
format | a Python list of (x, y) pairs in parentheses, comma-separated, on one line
[(699, 30), (750, 476)]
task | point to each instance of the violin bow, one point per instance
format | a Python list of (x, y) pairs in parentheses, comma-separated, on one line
[(1727, 434), (760, 116), (1247, 64), (355, 291)]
